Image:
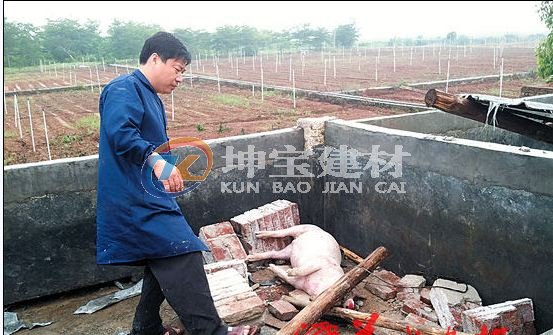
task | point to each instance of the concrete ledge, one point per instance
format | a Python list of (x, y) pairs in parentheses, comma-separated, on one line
[(479, 162)]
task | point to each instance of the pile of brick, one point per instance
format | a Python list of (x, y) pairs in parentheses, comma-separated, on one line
[(445, 304), (448, 304), (235, 300)]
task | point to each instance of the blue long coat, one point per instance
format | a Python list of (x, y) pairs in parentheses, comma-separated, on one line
[(133, 225)]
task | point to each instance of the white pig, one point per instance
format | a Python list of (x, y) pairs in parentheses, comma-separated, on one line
[(314, 255)]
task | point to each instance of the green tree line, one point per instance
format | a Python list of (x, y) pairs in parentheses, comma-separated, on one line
[(68, 40)]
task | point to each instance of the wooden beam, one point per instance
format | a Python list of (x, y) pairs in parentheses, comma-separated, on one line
[(351, 255), (381, 321), (453, 104), (336, 292)]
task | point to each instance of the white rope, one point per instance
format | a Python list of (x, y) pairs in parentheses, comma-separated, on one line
[(493, 107)]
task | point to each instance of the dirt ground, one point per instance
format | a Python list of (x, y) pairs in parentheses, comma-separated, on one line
[(200, 111), (72, 119), (116, 319)]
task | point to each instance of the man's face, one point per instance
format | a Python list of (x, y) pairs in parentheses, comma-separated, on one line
[(168, 75)]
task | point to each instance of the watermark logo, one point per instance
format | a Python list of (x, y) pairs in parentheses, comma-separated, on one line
[(183, 153), (343, 165)]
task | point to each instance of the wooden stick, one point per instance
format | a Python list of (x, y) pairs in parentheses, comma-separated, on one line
[(351, 255), (326, 300), (381, 321)]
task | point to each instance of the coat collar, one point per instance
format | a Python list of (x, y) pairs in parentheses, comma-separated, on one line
[(138, 74)]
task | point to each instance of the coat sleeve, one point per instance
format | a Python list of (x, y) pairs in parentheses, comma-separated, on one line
[(122, 115)]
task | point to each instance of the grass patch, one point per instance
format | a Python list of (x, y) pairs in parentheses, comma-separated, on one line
[(271, 93), (283, 112), (222, 128), (68, 139), (200, 127), (91, 122), (10, 158), (230, 100), (9, 134)]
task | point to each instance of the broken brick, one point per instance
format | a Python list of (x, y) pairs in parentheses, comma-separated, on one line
[(234, 299), (517, 316), (222, 242), (383, 284), (279, 214), (282, 310)]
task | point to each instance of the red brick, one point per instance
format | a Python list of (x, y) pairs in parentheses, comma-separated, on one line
[(234, 299), (222, 242), (517, 316), (300, 295), (277, 215), (237, 264), (216, 230), (383, 284), (415, 306), (241, 311), (425, 296), (414, 319), (282, 310)]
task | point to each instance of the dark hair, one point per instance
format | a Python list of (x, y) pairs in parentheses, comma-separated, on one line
[(166, 45)]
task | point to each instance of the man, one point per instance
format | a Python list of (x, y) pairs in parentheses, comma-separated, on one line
[(135, 227)]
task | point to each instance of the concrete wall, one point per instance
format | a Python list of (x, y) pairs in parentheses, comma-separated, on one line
[(444, 124), (476, 212), (49, 215)]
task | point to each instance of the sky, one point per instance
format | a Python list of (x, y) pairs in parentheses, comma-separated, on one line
[(375, 20)]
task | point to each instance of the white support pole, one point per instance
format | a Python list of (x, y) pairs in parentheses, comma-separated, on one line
[(18, 117), (98, 78), (394, 59), (261, 68), (103, 64), (236, 58), (439, 62), (218, 80), (91, 82), (334, 60), (376, 69), (302, 64), (276, 63), (46, 134), (15, 110), (447, 77), (31, 124), (501, 78), (294, 87), (324, 78), (191, 85), (5, 104), (290, 71)]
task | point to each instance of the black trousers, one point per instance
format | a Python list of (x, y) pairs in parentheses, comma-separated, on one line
[(182, 281)]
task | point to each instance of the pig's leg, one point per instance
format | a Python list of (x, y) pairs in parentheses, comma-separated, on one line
[(303, 271), (273, 254), (294, 231), (297, 282)]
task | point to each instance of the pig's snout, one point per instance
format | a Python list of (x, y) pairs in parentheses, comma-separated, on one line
[(349, 304)]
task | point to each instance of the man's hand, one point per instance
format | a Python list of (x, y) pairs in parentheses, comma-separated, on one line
[(174, 182)]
